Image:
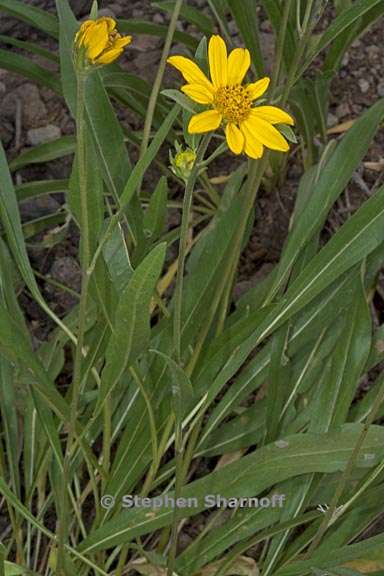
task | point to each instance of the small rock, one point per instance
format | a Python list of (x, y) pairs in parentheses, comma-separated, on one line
[(145, 43), (33, 107), (44, 134), (146, 62), (66, 270), (342, 110), (373, 52), (38, 207), (265, 26), (137, 13), (356, 44), (106, 12), (345, 59), (232, 27), (116, 8), (332, 120), (380, 88), (81, 7), (158, 18), (364, 85)]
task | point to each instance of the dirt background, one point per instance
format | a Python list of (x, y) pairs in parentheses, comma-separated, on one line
[(30, 115)]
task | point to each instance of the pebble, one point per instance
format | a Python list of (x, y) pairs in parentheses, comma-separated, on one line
[(265, 26), (33, 107), (44, 134), (332, 120), (38, 207), (342, 110), (380, 89), (158, 18), (116, 8), (146, 43), (146, 62), (373, 51), (66, 270), (364, 85), (232, 27), (137, 13), (106, 12), (345, 59)]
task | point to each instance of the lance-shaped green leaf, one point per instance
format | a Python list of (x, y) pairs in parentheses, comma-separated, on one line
[(296, 455), (131, 330), (45, 152), (26, 67), (37, 17), (334, 178)]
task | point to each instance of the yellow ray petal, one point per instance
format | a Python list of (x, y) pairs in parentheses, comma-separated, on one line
[(81, 34), (235, 138), (96, 39), (252, 147), (273, 115), (109, 56), (257, 89), (239, 62), (110, 22), (198, 93), (218, 61), (204, 122), (190, 71), (121, 42), (266, 133)]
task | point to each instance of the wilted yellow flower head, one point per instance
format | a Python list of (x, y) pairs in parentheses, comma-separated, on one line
[(247, 128), (100, 40)]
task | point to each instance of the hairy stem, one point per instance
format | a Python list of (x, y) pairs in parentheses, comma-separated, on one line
[(186, 215), (85, 257)]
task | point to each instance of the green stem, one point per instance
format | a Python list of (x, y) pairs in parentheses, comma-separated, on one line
[(186, 215), (280, 44), (159, 78), (178, 487), (85, 258), (300, 51)]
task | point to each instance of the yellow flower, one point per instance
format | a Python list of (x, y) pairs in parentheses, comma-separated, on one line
[(248, 129), (101, 41)]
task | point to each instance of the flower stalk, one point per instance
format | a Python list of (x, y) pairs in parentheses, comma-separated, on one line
[(85, 258), (186, 216)]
